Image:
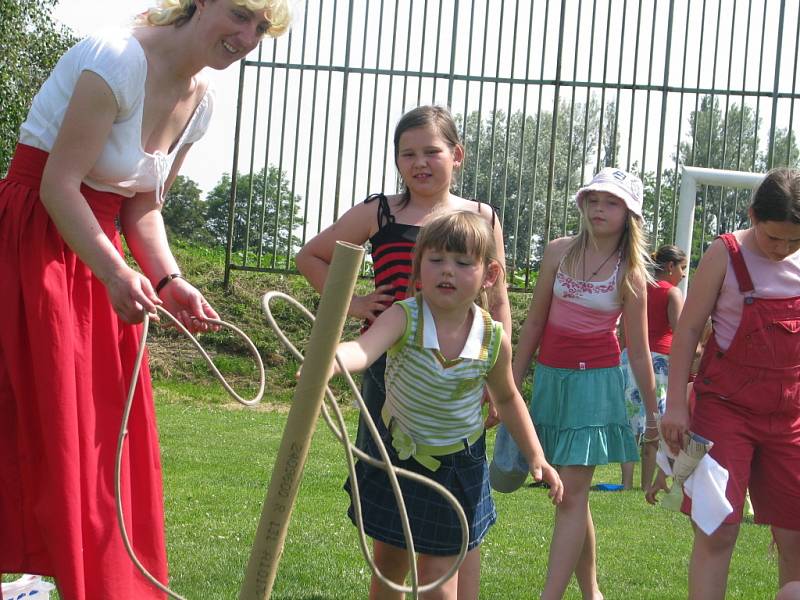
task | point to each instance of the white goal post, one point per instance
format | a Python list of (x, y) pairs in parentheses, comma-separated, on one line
[(691, 177)]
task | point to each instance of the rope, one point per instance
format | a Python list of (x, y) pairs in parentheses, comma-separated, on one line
[(127, 410), (340, 432)]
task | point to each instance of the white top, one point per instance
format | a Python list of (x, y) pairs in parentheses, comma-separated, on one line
[(596, 295), (123, 166)]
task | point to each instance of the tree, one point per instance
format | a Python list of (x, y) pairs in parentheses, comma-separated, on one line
[(32, 44), (264, 214), (722, 140), (185, 213), (507, 164), (611, 136), (730, 139)]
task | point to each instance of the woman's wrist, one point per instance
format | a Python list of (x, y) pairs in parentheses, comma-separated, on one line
[(115, 269), (166, 280)]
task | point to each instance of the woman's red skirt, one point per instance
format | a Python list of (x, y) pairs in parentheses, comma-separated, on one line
[(65, 366)]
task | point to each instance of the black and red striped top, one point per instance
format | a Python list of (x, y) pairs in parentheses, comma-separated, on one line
[(392, 250)]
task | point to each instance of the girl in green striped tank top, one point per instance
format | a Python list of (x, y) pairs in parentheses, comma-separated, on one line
[(443, 351)]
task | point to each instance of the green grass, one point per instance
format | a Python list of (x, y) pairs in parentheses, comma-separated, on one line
[(174, 360), (217, 463), (218, 458)]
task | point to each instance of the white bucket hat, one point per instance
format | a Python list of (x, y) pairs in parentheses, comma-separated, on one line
[(623, 185)]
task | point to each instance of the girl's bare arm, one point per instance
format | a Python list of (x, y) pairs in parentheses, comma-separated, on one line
[(700, 301), (514, 414), (500, 307), (634, 313), (360, 353), (539, 308), (674, 307), (314, 258)]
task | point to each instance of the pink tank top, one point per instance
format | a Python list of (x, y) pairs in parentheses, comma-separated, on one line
[(582, 322), (772, 279)]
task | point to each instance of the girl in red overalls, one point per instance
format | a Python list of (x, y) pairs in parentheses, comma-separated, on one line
[(748, 386)]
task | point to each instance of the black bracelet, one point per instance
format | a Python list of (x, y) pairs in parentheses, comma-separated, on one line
[(167, 279)]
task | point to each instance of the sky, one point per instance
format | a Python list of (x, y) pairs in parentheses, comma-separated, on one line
[(210, 156)]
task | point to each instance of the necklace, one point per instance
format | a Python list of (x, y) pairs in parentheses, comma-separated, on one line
[(602, 264)]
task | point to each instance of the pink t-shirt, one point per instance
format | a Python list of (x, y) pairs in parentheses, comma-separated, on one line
[(772, 279)]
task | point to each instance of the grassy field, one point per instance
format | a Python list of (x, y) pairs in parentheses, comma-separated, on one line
[(217, 462), (218, 458)]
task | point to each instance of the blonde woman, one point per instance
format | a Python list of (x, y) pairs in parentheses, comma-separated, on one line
[(585, 283), (102, 143)]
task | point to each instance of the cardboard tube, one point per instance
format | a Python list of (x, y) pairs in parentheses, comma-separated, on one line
[(306, 404)]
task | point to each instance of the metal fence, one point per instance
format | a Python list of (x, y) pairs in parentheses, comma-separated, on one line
[(544, 92)]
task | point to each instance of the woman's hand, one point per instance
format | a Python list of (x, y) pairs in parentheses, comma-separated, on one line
[(188, 305), (131, 294), (371, 305)]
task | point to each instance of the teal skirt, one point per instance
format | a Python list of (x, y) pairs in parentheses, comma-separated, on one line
[(580, 416)]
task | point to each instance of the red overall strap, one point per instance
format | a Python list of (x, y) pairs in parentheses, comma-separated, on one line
[(737, 260)]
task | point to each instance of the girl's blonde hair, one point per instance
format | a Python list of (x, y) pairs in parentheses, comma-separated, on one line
[(459, 231), (633, 247), (178, 12)]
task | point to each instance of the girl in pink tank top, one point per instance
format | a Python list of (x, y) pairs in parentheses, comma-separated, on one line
[(585, 284), (748, 386)]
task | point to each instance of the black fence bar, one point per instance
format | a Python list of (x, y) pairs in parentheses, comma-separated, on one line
[(544, 93)]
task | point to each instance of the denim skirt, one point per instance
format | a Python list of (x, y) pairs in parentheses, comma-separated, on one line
[(434, 524)]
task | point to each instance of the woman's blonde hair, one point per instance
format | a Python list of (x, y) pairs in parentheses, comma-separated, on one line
[(632, 246), (459, 231), (178, 12)]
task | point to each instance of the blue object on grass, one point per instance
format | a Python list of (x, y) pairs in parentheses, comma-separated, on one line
[(608, 487)]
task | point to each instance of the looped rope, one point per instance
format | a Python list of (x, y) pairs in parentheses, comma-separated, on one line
[(126, 414), (340, 431)]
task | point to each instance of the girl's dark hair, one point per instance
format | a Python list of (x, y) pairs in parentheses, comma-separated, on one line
[(778, 197), (434, 116), (667, 254)]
